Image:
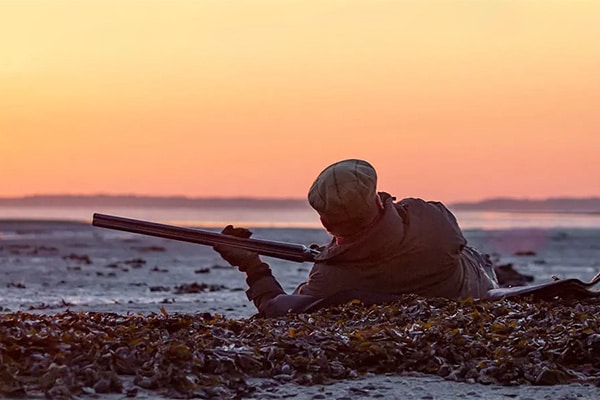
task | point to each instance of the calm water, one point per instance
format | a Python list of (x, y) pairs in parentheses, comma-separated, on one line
[(288, 217)]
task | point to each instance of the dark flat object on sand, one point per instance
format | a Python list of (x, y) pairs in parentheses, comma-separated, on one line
[(564, 288)]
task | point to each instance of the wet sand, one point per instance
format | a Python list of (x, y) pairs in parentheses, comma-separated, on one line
[(51, 267)]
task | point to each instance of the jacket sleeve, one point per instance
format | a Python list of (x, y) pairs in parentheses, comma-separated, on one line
[(271, 300)]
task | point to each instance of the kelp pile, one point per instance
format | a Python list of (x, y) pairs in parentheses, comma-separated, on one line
[(509, 342)]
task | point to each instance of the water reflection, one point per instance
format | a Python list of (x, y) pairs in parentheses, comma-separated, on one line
[(505, 220), (297, 217)]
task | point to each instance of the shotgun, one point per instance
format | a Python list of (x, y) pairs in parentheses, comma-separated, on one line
[(270, 248)]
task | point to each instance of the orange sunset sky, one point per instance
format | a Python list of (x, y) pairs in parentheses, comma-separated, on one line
[(449, 100)]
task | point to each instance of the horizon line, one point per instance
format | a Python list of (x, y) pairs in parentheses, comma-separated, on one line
[(262, 198)]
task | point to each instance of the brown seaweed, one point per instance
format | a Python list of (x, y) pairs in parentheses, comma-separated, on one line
[(508, 342)]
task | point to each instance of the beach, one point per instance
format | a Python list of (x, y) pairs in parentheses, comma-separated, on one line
[(53, 267), (288, 118)]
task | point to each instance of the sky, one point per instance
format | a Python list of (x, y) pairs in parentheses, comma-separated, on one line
[(449, 100)]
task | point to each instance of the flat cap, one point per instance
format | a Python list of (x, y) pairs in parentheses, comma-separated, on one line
[(345, 192)]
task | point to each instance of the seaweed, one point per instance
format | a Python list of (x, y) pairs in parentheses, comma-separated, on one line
[(509, 342)]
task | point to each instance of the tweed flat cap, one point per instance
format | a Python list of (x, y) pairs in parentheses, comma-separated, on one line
[(345, 192)]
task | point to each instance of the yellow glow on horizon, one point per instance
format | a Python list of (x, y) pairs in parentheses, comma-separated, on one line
[(450, 100)]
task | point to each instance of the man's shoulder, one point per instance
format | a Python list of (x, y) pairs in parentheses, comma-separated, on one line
[(416, 201), (409, 200), (426, 208)]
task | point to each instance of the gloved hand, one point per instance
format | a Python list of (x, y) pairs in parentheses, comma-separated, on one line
[(243, 259)]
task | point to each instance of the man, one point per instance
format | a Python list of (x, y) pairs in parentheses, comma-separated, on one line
[(380, 248)]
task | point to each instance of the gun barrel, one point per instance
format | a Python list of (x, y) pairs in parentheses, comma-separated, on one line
[(270, 248)]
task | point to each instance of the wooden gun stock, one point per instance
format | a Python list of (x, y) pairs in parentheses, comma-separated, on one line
[(270, 248)]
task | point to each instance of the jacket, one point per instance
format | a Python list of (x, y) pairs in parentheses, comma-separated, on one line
[(416, 246)]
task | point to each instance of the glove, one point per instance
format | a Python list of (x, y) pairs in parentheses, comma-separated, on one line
[(243, 259)]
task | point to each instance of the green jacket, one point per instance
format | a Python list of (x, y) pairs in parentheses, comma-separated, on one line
[(415, 247)]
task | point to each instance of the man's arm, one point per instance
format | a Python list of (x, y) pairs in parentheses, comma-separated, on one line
[(264, 290), (269, 297)]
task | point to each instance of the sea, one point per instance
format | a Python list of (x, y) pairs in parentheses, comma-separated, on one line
[(286, 217)]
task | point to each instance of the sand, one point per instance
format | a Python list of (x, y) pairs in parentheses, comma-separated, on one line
[(49, 267)]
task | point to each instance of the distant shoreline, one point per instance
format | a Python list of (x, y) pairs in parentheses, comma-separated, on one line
[(526, 211), (563, 205), (148, 201)]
